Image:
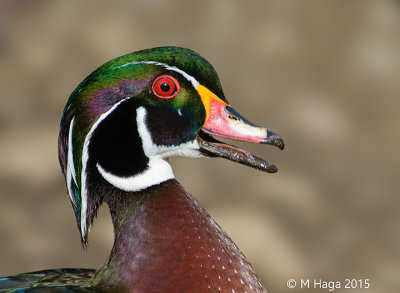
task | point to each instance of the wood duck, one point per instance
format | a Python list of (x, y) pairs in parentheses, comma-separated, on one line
[(118, 129)]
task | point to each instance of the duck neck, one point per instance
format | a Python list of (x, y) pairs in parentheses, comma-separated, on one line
[(165, 240)]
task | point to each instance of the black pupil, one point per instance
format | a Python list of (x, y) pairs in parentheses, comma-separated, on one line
[(165, 87)]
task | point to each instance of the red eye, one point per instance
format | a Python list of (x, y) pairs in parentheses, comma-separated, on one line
[(166, 87)]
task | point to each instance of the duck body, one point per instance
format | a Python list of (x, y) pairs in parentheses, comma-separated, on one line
[(118, 130)]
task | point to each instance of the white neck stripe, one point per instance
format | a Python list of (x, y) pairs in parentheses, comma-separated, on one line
[(190, 78), (71, 175), (85, 158)]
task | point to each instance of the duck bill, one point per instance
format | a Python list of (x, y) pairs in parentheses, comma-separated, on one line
[(224, 121)]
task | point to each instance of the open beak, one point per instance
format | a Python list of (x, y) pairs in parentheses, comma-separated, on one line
[(224, 121)]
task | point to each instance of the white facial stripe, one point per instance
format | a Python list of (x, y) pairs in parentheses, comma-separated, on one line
[(190, 78), (85, 158), (149, 148), (70, 163)]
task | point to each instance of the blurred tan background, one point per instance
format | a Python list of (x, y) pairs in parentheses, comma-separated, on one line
[(323, 74)]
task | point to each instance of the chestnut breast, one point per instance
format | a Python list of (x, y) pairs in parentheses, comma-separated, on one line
[(174, 243)]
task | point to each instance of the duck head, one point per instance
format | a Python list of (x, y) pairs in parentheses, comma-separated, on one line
[(126, 118)]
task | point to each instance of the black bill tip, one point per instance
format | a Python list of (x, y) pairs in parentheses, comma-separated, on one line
[(275, 139)]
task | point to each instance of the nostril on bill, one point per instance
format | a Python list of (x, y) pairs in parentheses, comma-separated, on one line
[(233, 117)]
